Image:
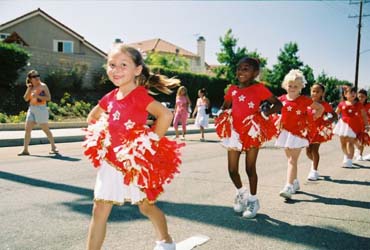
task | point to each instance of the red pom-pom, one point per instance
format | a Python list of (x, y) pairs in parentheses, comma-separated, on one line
[(223, 124)]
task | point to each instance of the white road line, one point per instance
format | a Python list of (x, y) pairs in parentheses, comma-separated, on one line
[(192, 242)]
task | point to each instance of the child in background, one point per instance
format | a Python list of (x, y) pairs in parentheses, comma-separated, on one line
[(352, 123), (362, 97), (294, 126), (244, 129), (181, 111), (321, 129), (127, 153), (201, 120)]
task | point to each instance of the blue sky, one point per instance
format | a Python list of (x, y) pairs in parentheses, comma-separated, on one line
[(325, 35)]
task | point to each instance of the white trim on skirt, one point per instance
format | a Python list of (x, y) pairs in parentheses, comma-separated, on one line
[(109, 187), (288, 140), (232, 142), (343, 129)]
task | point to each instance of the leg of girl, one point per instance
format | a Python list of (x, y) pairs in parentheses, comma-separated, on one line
[(350, 150), (233, 167), (176, 124), (347, 149), (98, 225), (27, 137), (313, 154), (184, 118), (158, 219), (201, 133), (292, 185), (250, 167)]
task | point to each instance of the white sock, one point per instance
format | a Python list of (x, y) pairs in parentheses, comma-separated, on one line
[(252, 197), (242, 190)]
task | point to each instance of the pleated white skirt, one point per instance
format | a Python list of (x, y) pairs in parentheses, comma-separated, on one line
[(288, 140), (343, 129), (109, 187)]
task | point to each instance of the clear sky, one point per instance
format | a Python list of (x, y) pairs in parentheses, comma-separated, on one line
[(326, 37)]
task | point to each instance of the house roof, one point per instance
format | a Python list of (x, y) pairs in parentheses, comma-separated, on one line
[(160, 45), (15, 38), (55, 22)]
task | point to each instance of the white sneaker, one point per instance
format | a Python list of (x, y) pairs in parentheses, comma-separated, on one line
[(360, 158), (345, 159), (252, 208), (162, 245), (287, 192), (313, 175), (348, 164), (296, 186), (240, 202), (183, 138), (366, 157)]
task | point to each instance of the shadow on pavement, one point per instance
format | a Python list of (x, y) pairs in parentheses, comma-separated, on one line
[(57, 157), (331, 201), (221, 216), (351, 182)]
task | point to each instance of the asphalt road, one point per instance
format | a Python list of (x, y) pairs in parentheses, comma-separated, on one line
[(46, 202)]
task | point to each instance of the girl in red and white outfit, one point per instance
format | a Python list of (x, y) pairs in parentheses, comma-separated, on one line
[(362, 97), (352, 123), (321, 129), (126, 152), (181, 111), (244, 128), (294, 126)]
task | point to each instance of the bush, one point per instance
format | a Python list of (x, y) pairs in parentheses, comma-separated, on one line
[(13, 58)]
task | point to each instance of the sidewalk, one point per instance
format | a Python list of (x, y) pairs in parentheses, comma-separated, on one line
[(9, 138)]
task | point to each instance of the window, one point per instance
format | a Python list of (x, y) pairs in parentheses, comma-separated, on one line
[(4, 36), (63, 46)]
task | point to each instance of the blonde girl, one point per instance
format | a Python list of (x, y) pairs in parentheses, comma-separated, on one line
[(181, 111)]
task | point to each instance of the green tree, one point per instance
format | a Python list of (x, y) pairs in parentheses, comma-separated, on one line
[(230, 55), (13, 58), (332, 87), (288, 59), (169, 61)]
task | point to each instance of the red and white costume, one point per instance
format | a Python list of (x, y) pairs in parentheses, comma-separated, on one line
[(243, 127), (293, 122), (133, 163), (351, 123), (321, 129)]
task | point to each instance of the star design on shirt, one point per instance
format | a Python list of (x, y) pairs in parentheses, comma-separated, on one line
[(350, 111), (284, 102), (116, 115), (356, 113), (250, 104), (298, 112), (242, 98), (289, 108), (129, 124), (368, 111), (110, 106), (234, 92)]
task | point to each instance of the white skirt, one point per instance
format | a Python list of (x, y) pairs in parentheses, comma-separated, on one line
[(201, 120), (232, 142), (288, 140), (109, 187), (343, 129)]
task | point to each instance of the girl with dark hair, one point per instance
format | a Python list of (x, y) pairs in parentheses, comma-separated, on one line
[(364, 138), (353, 121), (133, 161), (321, 129), (200, 110), (242, 127)]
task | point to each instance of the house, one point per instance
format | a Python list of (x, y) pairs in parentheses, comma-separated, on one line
[(197, 62), (52, 45)]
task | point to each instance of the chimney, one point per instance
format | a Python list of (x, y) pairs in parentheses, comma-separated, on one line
[(201, 51), (118, 40)]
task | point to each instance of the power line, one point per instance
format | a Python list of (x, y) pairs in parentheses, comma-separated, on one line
[(358, 37)]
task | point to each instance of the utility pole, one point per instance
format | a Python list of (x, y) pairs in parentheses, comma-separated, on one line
[(358, 39)]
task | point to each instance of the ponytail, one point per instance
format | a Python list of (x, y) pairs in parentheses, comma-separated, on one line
[(160, 82)]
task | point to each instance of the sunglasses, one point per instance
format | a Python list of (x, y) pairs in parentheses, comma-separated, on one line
[(35, 76)]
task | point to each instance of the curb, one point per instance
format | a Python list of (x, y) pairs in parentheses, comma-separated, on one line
[(75, 138)]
